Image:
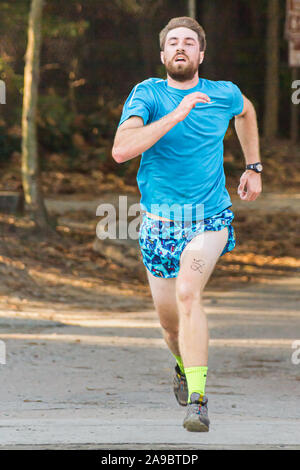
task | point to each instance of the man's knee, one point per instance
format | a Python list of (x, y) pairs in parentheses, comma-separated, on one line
[(187, 295)]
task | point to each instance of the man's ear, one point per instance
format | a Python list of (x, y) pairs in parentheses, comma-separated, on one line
[(162, 57), (201, 57)]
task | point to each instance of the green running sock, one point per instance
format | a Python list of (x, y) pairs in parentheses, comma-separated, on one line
[(196, 379), (180, 363)]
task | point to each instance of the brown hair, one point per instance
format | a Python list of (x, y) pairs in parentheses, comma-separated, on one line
[(186, 22)]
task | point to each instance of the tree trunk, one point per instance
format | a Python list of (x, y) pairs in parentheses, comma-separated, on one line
[(147, 12), (192, 8), (294, 112), (144, 33), (208, 18), (30, 163), (272, 72)]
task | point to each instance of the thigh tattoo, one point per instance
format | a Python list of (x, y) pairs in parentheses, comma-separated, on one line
[(198, 265)]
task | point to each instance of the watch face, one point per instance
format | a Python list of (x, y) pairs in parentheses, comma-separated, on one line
[(259, 167)]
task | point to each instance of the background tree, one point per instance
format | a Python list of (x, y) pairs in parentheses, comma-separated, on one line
[(30, 160), (272, 71), (192, 8)]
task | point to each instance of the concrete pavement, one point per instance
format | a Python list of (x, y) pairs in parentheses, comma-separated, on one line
[(104, 380)]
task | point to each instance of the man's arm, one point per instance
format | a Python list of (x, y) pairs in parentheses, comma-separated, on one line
[(247, 132), (133, 138)]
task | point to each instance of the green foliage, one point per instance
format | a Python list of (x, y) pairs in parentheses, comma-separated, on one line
[(56, 26), (14, 80), (8, 145), (55, 123)]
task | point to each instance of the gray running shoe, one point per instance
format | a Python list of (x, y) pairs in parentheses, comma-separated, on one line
[(197, 416), (180, 387)]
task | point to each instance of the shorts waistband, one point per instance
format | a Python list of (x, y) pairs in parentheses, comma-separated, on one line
[(181, 222)]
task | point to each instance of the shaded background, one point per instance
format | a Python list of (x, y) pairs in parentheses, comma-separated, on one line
[(93, 53)]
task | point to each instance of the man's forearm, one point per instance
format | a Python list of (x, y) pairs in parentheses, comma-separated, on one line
[(135, 140), (247, 132)]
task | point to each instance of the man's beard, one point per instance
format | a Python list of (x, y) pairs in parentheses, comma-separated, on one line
[(185, 71)]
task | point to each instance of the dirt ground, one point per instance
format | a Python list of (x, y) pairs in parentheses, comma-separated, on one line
[(67, 271)]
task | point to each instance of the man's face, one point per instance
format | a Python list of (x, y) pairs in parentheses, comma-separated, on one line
[(181, 55)]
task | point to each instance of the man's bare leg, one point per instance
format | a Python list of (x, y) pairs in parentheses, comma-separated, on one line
[(197, 262), (164, 299), (178, 301)]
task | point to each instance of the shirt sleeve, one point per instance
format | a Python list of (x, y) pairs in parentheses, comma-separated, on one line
[(237, 103), (140, 102)]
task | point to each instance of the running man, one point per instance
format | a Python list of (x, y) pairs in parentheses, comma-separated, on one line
[(178, 125)]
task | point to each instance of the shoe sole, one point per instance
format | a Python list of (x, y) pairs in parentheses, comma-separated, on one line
[(195, 426), (181, 403), (177, 393)]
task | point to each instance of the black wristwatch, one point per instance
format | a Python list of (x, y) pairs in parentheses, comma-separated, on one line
[(255, 167)]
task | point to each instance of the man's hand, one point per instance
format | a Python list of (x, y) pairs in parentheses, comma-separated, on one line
[(250, 185), (188, 103)]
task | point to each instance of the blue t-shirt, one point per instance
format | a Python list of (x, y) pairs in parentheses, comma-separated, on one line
[(181, 177)]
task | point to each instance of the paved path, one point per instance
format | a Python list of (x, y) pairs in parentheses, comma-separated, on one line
[(88, 380), (269, 202)]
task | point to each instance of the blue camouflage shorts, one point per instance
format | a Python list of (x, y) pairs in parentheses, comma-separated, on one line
[(162, 242)]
